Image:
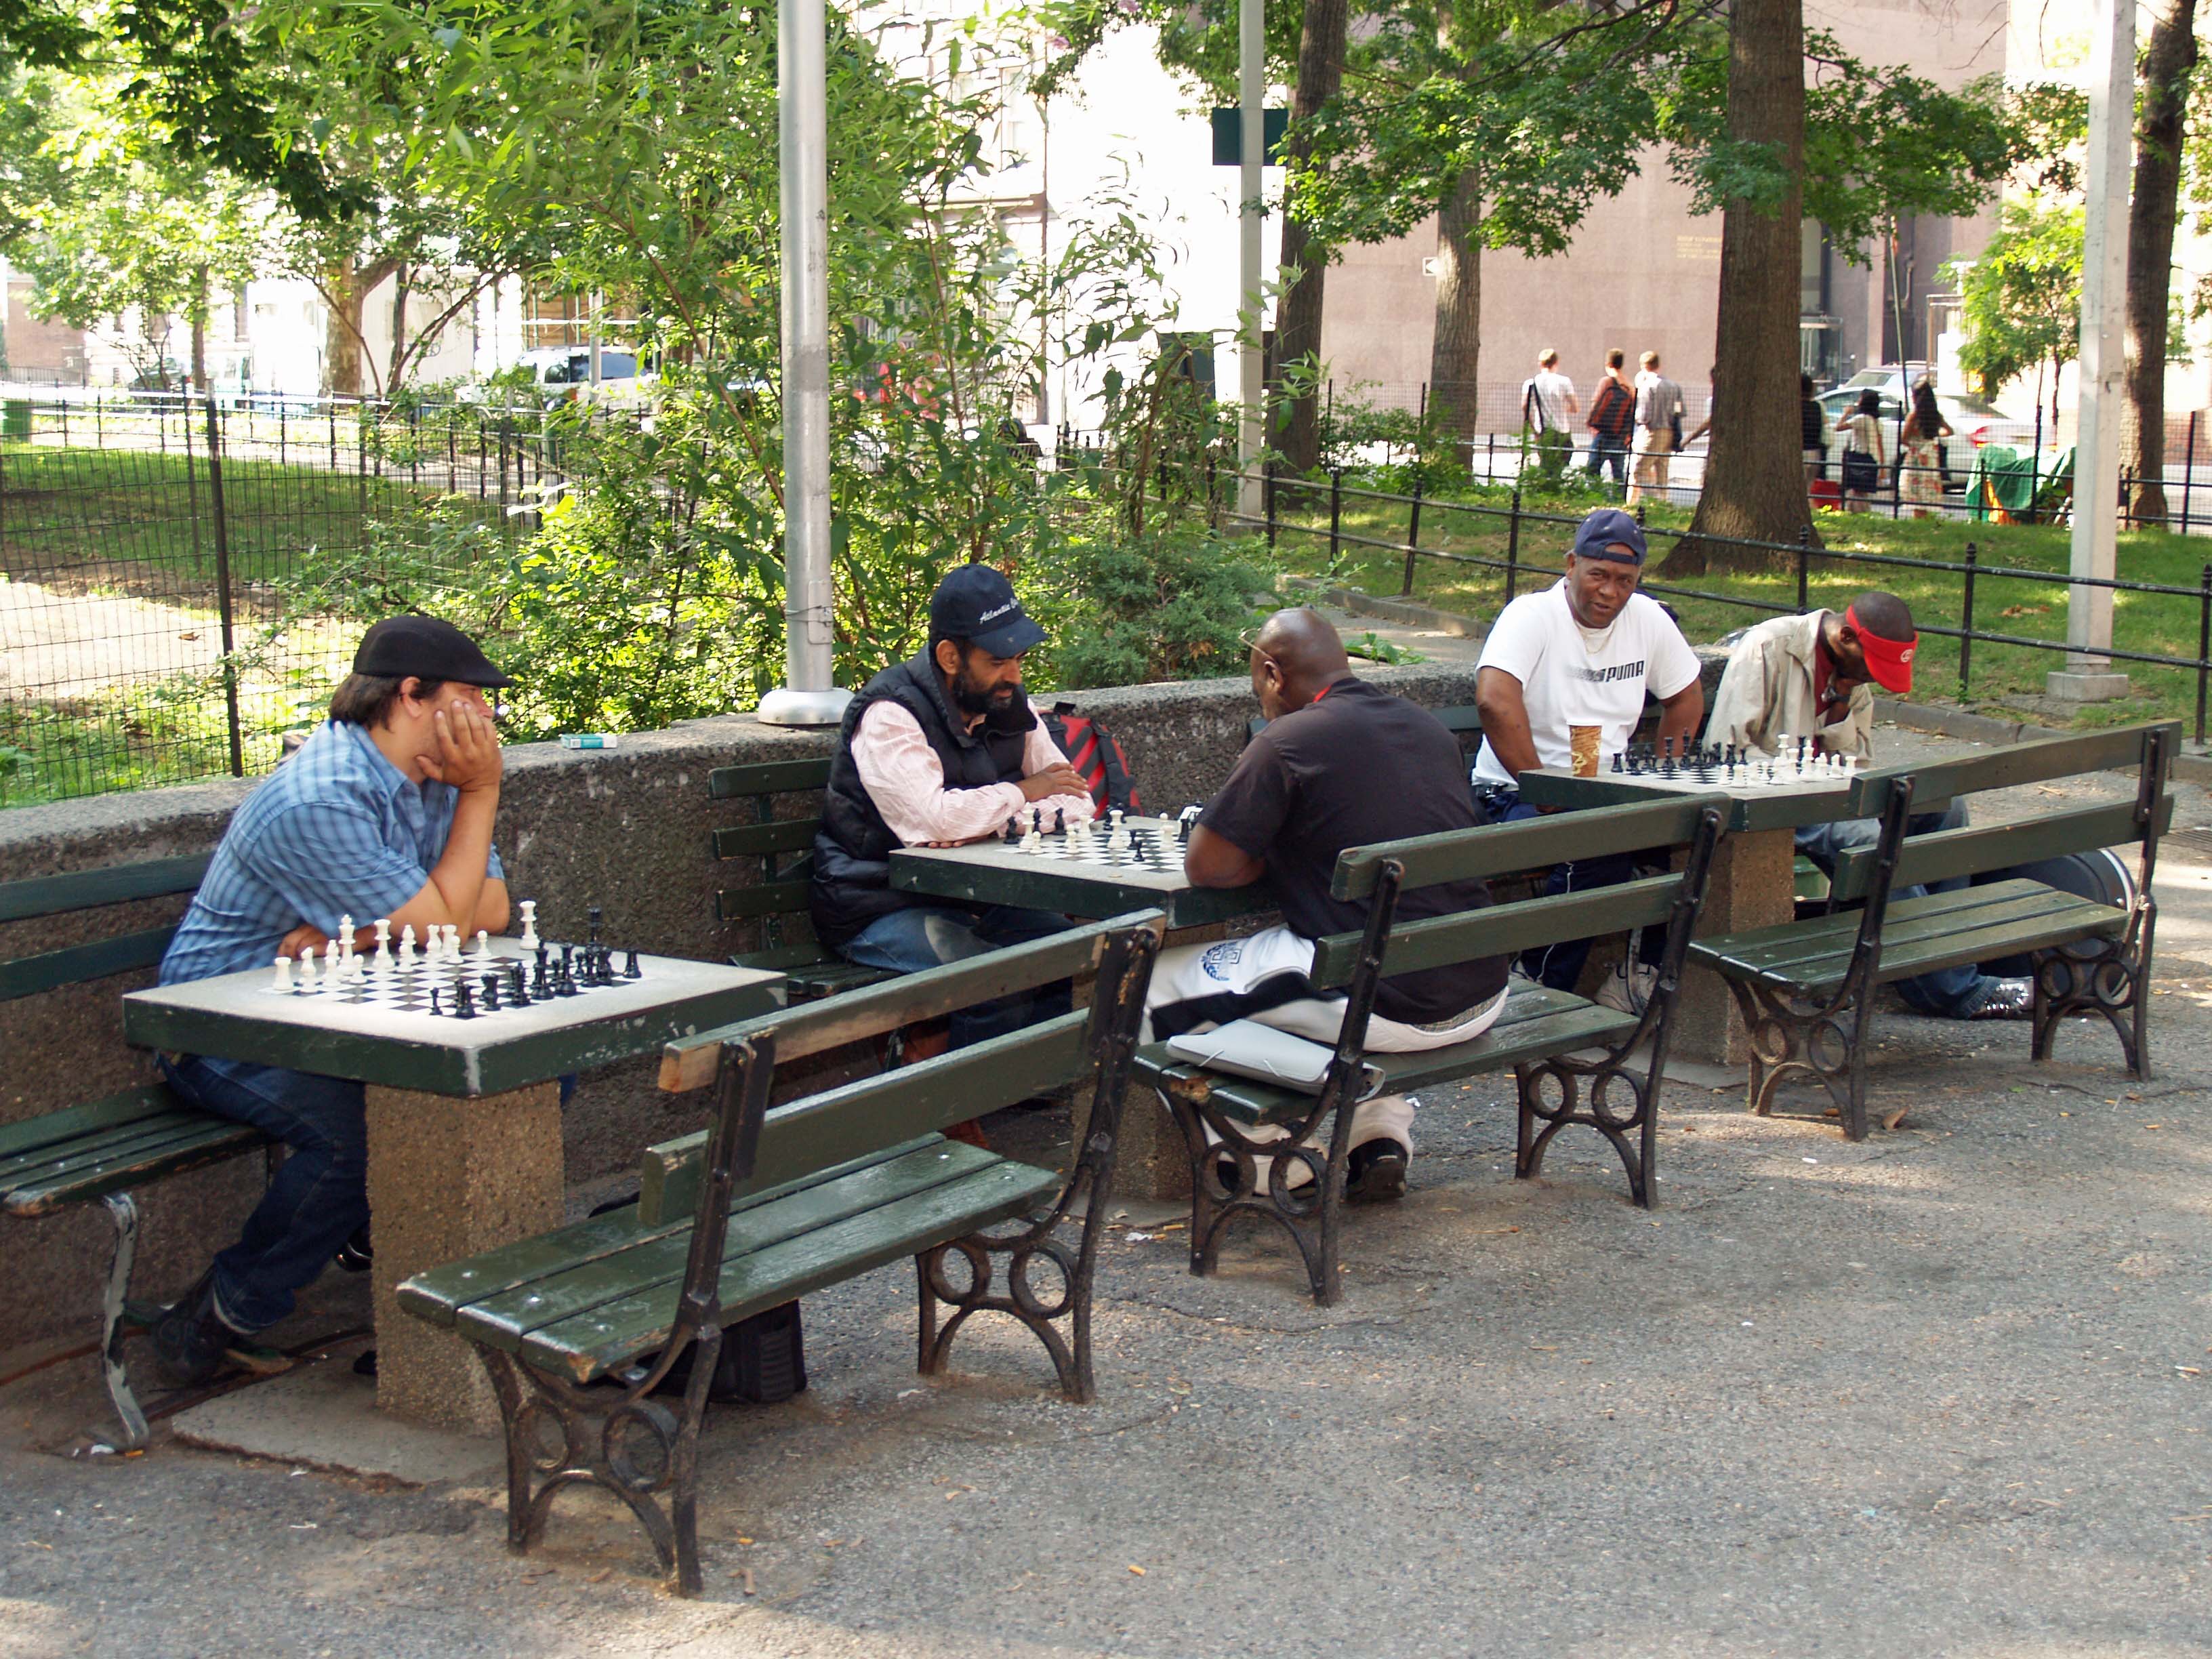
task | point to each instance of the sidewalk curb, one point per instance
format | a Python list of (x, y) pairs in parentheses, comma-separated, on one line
[(1410, 613)]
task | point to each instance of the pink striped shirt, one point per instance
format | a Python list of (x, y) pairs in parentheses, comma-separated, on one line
[(906, 780)]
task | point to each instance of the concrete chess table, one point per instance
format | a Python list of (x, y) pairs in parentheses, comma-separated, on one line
[(465, 1149), (1752, 882)]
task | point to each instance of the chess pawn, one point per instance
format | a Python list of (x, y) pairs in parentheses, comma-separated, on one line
[(483, 944)]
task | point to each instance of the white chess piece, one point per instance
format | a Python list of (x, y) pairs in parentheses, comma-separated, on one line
[(345, 937), (283, 980), (483, 946), (529, 926), (307, 968), (1119, 839), (383, 960), (453, 942), (330, 963)]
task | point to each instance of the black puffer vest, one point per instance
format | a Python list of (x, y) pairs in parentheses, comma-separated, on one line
[(852, 849)]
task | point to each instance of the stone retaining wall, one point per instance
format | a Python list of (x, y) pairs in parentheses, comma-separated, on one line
[(627, 829)]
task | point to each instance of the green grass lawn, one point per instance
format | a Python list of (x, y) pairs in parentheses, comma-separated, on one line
[(2003, 679)]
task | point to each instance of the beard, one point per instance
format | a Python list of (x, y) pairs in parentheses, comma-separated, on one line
[(972, 699)]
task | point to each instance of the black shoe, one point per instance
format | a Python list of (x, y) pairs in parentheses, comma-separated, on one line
[(2008, 998), (190, 1339), (356, 1254), (1375, 1172)]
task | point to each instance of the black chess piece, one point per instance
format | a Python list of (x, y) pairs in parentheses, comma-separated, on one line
[(592, 916), (1060, 821), (630, 970), (1013, 830), (491, 993), (567, 961), (465, 1003), (434, 1001), (1617, 766), (518, 992)]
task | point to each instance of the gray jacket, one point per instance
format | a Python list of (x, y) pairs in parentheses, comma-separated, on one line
[(1767, 692)]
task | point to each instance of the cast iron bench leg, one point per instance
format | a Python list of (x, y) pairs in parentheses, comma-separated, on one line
[(1311, 1214), (1825, 1041), (2114, 982), (123, 1211)]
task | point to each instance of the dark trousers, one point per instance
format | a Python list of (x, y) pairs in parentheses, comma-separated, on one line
[(1559, 966), (921, 936), (320, 1198), (1606, 451)]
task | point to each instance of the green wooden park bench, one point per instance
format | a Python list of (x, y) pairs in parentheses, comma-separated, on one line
[(1539, 1036), (779, 899), (101, 1152), (767, 1206), (1806, 988)]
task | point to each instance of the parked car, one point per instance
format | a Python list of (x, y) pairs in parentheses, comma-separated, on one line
[(561, 374)]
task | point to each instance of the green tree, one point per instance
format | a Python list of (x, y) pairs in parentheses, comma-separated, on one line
[(2021, 299)]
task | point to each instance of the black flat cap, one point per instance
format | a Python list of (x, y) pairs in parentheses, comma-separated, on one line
[(427, 647)]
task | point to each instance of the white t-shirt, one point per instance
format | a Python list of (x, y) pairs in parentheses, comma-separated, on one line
[(1571, 675), (1552, 392)]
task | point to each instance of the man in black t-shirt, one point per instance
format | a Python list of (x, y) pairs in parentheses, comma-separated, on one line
[(1339, 764)]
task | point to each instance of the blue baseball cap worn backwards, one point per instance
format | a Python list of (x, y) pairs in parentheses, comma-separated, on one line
[(1610, 533), (977, 604)]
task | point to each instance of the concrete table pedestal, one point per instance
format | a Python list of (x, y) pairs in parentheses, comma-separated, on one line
[(1752, 884), (448, 1178)]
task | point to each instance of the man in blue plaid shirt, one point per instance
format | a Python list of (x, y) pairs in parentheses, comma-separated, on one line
[(386, 812)]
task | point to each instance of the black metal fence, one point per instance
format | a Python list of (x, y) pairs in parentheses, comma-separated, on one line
[(153, 547), (1801, 558)]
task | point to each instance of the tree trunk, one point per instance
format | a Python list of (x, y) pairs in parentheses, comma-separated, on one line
[(1754, 470), (345, 300), (1457, 351), (402, 286), (1298, 313), (2168, 67)]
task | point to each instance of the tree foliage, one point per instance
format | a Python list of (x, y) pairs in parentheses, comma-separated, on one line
[(2022, 297)]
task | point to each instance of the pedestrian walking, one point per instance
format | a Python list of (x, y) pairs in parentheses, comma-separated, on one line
[(1612, 420), (1658, 430), (1921, 456), (1863, 451), (1812, 432), (1547, 408)]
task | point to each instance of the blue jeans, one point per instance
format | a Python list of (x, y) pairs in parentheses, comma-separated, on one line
[(1609, 452), (1948, 993), (929, 936), (320, 1198), (1561, 965)]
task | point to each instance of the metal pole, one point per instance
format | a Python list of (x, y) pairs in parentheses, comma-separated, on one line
[(1412, 537), (2203, 647), (1252, 134), (2088, 675), (1513, 542), (223, 584), (1966, 624), (809, 696), (1335, 513), (2188, 472), (1804, 562)]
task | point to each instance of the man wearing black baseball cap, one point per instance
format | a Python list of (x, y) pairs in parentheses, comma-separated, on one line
[(1561, 683), (936, 751), (384, 812)]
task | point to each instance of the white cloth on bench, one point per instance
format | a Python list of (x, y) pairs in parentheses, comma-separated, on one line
[(1192, 971)]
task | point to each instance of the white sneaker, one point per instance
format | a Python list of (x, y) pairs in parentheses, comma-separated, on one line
[(1629, 987)]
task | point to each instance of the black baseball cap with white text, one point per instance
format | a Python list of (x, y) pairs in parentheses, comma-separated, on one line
[(427, 648), (975, 603)]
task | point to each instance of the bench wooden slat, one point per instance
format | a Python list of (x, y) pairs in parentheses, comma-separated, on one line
[(617, 1332), (1502, 929), (1502, 848), (688, 1063), (74, 964), (197, 1140), (124, 1139), (769, 898), (844, 1123), (739, 840), (1909, 920), (1535, 1024), (72, 1122), (655, 1258), (438, 1293), (1972, 849), (2035, 762), (1939, 929), (81, 890), (767, 778)]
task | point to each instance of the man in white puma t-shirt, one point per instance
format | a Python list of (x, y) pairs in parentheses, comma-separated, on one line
[(1581, 653)]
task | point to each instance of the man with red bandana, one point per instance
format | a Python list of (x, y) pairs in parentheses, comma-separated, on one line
[(1814, 676)]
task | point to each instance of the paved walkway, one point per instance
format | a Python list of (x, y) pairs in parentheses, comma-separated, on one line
[(1942, 1393)]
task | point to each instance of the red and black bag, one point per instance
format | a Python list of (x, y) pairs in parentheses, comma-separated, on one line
[(1096, 753)]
